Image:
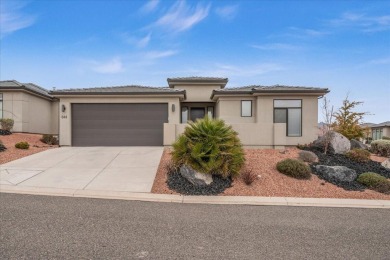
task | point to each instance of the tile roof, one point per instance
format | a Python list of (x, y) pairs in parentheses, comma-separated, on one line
[(129, 89), (13, 84), (269, 89), (387, 123), (195, 78)]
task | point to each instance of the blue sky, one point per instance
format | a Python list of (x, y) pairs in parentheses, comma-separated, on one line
[(341, 45)]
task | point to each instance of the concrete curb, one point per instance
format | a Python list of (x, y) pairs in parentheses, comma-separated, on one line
[(226, 200)]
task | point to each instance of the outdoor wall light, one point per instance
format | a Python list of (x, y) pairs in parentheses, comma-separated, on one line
[(63, 108), (173, 107)]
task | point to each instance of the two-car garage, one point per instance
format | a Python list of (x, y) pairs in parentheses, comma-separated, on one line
[(118, 124)]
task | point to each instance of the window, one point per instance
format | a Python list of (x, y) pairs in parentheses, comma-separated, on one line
[(289, 112), (1, 105), (246, 108), (377, 133), (184, 115), (210, 112)]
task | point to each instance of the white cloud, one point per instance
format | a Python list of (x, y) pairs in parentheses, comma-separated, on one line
[(364, 22), (153, 55), (150, 6), (227, 12), (109, 67), (275, 46), (181, 17), (139, 42), (13, 19), (304, 32)]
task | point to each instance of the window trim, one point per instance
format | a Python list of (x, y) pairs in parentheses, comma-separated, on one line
[(287, 108), (251, 107), (181, 114)]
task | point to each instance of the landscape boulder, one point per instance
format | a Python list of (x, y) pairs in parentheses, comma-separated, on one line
[(194, 177), (308, 156), (355, 144), (386, 164), (338, 143), (336, 173)]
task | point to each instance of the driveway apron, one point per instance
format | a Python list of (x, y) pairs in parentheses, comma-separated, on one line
[(131, 169)]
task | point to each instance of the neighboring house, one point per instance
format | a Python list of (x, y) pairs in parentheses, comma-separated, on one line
[(273, 117), (33, 109), (380, 130)]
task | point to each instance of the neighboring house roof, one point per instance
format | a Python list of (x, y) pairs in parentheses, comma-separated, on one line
[(121, 90), (30, 87), (367, 125), (387, 123), (276, 89), (194, 79)]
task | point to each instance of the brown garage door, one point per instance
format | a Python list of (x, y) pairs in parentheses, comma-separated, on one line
[(118, 124)]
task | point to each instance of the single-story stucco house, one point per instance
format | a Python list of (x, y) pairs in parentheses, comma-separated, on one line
[(378, 131), (264, 116)]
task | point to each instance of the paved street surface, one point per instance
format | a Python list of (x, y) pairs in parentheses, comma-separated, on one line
[(41, 227)]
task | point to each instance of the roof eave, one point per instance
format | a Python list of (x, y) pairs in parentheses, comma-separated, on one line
[(23, 88)]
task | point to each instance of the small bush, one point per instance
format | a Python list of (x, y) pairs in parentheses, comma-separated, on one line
[(5, 132), (358, 155), (209, 146), (22, 145), (294, 168), (2, 147), (248, 176), (308, 156), (383, 187), (303, 146), (375, 181), (370, 179), (385, 138), (49, 139), (7, 124), (381, 147)]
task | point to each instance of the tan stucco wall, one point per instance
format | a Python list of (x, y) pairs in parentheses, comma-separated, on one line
[(230, 110), (32, 114), (260, 131), (386, 131), (65, 118), (198, 93)]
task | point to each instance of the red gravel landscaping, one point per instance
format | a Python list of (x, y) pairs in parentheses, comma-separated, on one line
[(270, 182), (13, 153)]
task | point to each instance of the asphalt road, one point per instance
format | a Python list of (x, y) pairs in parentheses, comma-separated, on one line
[(41, 227)]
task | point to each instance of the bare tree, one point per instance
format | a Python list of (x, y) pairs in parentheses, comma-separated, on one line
[(326, 129)]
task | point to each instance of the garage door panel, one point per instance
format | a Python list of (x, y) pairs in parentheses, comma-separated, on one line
[(118, 124)]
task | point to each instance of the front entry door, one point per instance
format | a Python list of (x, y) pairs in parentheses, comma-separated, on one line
[(197, 112)]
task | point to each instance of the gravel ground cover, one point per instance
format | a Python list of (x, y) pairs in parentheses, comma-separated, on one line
[(178, 183), (271, 183), (13, 153), (342, 160)]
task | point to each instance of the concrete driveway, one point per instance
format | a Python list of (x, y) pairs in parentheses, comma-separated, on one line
[(131, 169)]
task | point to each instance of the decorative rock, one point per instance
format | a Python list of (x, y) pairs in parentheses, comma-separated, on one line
[(338, 144), (338, 173), (308, 156), (355, 144), (194, 177), (386, 164)]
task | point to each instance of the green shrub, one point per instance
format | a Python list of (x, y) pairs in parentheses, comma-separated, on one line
[(370, 179), (308, 156), (303, 146), (22, 145), (381, 147), (294, 168), (7, 124), (358, 155), (209, 146), (375, 181), (49, 139), (2, 147), (385, 138)]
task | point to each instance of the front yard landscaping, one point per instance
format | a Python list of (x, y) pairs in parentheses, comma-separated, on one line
[(271, 183), (12, 153)]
